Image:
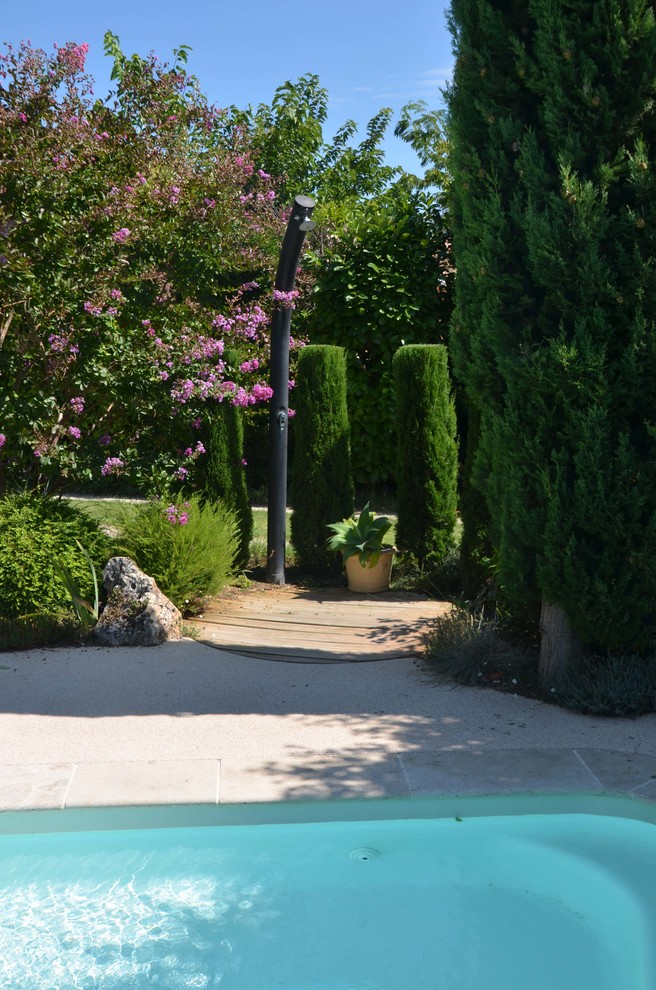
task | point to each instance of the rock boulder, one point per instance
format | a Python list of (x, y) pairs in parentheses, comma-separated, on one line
[(136, 613)]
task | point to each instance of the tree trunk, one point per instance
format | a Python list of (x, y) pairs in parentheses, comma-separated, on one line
[(559, 647)]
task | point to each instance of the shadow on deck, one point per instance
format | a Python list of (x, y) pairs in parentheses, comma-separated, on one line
[(318, 626)]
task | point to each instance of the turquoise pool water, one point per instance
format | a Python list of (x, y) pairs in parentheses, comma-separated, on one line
[(520, 902)]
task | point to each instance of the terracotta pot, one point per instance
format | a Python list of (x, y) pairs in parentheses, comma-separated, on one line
[(370, 579)]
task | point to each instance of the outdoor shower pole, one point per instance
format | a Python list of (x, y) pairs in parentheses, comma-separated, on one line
[(298, 225)]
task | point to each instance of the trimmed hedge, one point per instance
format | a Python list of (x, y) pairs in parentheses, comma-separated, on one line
[(321, 487), (427, 451), (223, 477)]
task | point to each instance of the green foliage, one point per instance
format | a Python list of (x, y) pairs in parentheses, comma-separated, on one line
[(289, 135), (363, 536), (190, 551), (223, 477), (86, 611), (553, 210), (382, 280), (427, 456), (467, 646), (38, 629), (321, 486), (36, 532), (476, 551), (611, 685)]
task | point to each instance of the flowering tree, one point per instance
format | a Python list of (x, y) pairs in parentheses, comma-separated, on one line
[(135, 246)]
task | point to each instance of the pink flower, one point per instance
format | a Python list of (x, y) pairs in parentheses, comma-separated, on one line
[(73, 56), (105, 440), (181, 473), (113, 465), (183, 518), (75, 432), (77, 404), (199, 448), (188, 452), (121, 235), (210, 203), (285, 299), (22, 117), (3, 439)]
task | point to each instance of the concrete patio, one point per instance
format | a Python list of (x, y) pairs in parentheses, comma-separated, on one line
[(184, 723)]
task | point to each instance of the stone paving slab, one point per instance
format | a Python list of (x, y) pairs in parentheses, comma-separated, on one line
[(324, 776), (152, 782)]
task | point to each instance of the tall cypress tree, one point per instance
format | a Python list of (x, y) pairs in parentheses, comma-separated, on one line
[(427, 450), (553, 203), (321, 482), (223, 476)]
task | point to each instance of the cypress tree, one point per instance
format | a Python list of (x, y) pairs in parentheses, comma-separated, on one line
[(321, 487), (553, 211), (427, 451), (224, 477)]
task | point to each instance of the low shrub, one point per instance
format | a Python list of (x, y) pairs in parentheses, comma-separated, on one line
[(615, 684), (37, 531), (40, 629), (466, 646), (190, 550)]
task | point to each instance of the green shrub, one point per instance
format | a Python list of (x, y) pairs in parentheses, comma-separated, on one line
[(427, 456), (321, 489), (190, 550), (615, 684), (466, 646), (35, 532), (39, 629), (223, 477)]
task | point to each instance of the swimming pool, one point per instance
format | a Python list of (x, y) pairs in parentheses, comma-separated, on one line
[(460, 894)]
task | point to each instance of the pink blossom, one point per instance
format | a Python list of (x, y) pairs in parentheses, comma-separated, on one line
[(181, 473), (210, 203), (285, 299), (188, 452), (199, 448), (22, 117), (196, 423), (3, 439), (72, 56), (262, 174), (121, 235), (105, 440), (113, 465), (116, 294), (77, 404), (75, 432)]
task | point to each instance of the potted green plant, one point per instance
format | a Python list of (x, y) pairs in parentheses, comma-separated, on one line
[(367, 559)]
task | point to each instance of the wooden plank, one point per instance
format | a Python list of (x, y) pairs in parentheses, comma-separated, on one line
[(323, 626)]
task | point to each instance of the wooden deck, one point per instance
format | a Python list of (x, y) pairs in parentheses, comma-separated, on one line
[(317, 626)]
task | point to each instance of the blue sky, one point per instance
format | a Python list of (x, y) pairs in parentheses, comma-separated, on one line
[(368, 53)]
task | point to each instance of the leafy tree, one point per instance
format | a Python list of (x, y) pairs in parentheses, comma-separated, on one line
[(130, 237), (553, 210)]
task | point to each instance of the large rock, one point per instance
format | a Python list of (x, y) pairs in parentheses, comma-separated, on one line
[(136, 613)]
